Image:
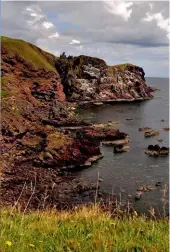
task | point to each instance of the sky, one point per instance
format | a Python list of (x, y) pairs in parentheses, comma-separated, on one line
[(116, 31)]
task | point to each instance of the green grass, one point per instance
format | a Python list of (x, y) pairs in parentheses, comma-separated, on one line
[(122, 67), (87, 229), (29, 52), (4, 93), (4, 81)]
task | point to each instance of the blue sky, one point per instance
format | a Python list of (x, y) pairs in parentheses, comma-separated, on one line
[(116, 31)]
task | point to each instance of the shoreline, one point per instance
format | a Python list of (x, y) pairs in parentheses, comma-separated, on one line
[(107, 101)]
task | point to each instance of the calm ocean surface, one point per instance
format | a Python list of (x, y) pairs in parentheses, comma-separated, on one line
[(123, 173)]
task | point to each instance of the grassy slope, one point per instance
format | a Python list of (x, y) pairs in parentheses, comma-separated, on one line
[(122, 66), (81, 231), (29, 52)]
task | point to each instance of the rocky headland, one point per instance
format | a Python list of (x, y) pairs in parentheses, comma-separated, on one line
[(38, 96), (89, 79)]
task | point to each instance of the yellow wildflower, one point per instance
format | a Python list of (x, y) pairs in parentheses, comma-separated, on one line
[(8, 243), (31, 245), (135, 213)]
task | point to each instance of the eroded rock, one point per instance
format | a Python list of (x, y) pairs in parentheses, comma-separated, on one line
[(157, 151), (144, 129), (89, 79), (151, 133), (121, 148)]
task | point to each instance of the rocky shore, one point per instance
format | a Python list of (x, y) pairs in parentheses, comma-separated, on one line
[(42, 138)]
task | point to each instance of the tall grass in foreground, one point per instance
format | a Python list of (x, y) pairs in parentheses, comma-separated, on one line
[(86, 229)]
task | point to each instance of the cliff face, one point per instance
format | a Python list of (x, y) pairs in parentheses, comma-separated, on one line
[(34, 106), (34, 100), (90, 79)]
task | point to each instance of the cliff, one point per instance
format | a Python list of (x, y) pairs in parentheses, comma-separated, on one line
[(90, 79), (34, 106)]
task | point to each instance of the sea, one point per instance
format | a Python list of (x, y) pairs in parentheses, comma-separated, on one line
[(123, 173)]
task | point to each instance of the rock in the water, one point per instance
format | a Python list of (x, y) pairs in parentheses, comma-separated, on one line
[(144, 188), (155, 151), (160, 140), (149, 187), (121, 148), (151, 133), (138, 195), (158, 184), (144, 129), (154, 147), (140, 188), (166, 128)]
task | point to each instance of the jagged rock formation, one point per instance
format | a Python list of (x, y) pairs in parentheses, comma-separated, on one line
[(34, 104), (90, 79)]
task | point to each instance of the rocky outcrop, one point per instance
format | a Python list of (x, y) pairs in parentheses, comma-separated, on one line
[(35, 147), (34, 108), (151, 133), (157, 151), (121, 148), (90, 79)]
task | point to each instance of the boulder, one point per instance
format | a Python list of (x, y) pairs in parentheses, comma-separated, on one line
[(121, 148), (151, 133), (166, 128), (138, 195), (144, 129), (160, 140), (155, 150)]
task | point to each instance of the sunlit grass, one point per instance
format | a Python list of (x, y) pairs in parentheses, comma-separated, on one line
[(86, 229), (29, 52)]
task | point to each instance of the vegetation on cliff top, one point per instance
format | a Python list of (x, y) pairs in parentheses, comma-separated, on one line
[(87, 229), (122, 67), (29, 52)]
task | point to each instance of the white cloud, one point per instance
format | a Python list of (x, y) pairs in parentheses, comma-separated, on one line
[(47, 24), (162, 23), (115, 31), (74, 41), (35, 13), (54, 35), (119, 8)]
